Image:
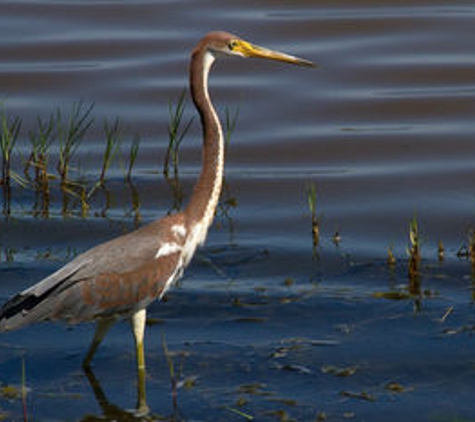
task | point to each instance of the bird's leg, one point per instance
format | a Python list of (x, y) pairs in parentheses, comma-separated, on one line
[(138, 328), (102, 327)]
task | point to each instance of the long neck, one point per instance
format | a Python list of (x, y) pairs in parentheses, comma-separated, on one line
[(204, 199)]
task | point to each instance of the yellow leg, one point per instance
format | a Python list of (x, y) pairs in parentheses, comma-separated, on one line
[(138, 328), (102, 327)]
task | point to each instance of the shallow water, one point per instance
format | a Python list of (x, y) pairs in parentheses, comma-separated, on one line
[(262, 323)]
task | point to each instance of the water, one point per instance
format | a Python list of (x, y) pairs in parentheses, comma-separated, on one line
[(262, 324)]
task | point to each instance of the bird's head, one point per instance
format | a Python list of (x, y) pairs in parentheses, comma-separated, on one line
[(226, 44)]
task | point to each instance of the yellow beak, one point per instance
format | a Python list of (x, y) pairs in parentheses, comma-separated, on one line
[(250, 50)]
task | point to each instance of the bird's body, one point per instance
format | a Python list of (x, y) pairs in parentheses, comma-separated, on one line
[(116, 278), (120, 278)]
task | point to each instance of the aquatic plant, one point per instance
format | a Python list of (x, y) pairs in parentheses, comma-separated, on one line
[(175, 383), (59, 137), (240, 413), (8, 139), (132, 157), (70, 133), (391, 258), (113, 134), (230, 122), (414, 251), (414, 247), (175, 133), (40, 141), (10, 129), (312, 200), (440, 251)]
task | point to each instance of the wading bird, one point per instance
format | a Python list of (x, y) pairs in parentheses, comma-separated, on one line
[(120, 278)]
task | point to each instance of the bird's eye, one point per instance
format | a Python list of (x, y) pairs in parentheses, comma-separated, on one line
[(232, 44)]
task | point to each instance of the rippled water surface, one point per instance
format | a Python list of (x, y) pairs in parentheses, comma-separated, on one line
[(264, 325)]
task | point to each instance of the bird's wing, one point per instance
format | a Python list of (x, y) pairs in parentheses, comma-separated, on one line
[(13, 312), (112, 264)]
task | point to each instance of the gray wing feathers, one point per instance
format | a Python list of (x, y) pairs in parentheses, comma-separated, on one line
[(59, 295)]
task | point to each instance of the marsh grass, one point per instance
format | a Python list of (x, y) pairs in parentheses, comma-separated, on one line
[(10, 129), (315, 221), (70, 133), (132, 157), (40, 141), (113, 132), (440, 251), (38, 160), (52, 156), (177, 130), (414, 252), (414, 248), (230, 122), (391, 258), (113, 139), (58, 138), (135, 204)]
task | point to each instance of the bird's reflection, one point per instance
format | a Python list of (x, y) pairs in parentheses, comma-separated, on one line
[(112, 412)]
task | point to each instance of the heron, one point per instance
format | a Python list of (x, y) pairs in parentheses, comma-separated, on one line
[(118, 279)]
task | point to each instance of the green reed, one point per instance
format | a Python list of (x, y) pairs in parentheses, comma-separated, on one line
[(70, 132), (113, 134), (176, 132), (58, 139), (40, 142), (132, 157), (10, 129), (230, 122)]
